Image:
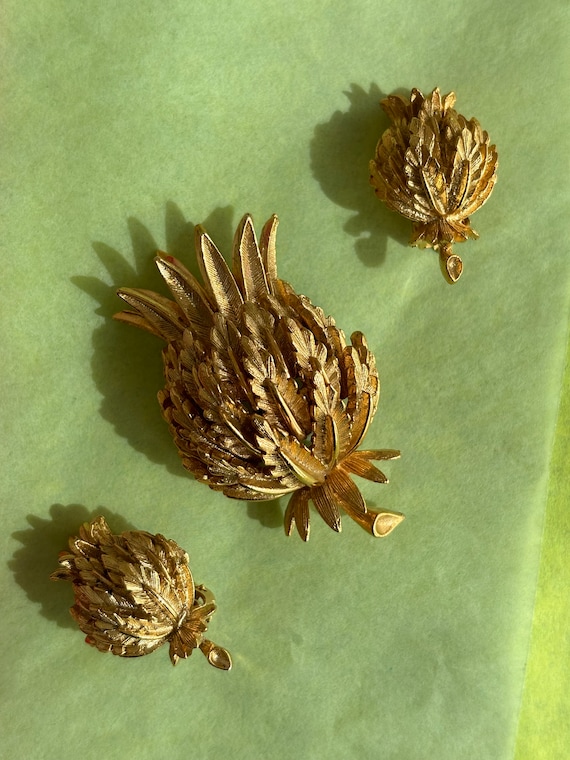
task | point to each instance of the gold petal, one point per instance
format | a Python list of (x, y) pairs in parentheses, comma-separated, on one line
[(363, 468), (297, 514), (267, 246), (377, 454), (187, 291), (300, 501), (247, 262), (163, 316), (136, 320), (305, 466), (289, 518), (292, 406), (324, 500), (459, 182), (347, 492), (218, 279), (435, 185)]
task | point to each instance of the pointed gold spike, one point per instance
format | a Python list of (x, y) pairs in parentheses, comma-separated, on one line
[(324, 500), (347, 492), (377, 454), (163, 317)]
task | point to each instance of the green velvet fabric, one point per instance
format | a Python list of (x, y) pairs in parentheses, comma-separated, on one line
[(545, 713), (125, 124)]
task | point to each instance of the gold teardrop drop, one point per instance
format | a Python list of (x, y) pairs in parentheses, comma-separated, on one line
[(385, 522), (454, 267), (220, 658)]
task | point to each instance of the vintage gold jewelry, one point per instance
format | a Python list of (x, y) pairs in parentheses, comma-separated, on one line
[(135, 592), (263, 395), (436, 168)]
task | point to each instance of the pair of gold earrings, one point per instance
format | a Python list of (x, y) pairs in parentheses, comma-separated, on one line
[(264, 396)]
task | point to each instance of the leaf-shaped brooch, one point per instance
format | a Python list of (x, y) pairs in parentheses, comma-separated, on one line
[(135, 592), (436, 168), (264, 396)]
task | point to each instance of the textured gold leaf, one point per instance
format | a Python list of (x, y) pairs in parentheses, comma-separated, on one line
[(247, 263), (218, 279), (268, 250), (326, 502), (347, 492), (297, 514)]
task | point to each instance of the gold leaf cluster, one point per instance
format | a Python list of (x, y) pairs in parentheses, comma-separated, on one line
[(436, 168), (263, 394), (134, 592)]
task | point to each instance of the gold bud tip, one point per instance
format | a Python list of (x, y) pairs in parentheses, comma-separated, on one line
[(385, 523), (217, 656)]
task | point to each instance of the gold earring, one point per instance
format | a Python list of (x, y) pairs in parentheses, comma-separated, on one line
[(135, 592), (436, 168)]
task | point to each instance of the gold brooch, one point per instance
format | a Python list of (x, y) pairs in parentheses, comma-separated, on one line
[(135, 592), (264, 396), (436, 168)]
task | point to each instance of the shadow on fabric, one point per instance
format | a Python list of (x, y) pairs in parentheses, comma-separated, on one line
[(126, 364), (341, 150)]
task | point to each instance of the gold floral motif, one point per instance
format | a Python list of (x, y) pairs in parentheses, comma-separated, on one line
[(264, 396), (436, 168), (135, 592)]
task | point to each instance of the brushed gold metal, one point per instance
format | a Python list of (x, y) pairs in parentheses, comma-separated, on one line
[(436, 168), (264, 395), (134, 592)]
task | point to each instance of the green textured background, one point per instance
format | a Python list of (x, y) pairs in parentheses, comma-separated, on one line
[(123, 125)]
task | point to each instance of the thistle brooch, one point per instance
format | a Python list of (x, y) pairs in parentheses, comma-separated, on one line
[(135, 592), (436, 168), (263, 394)]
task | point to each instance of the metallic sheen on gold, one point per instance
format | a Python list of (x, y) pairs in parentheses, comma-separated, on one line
[(263, 395), (436, 168), (135, 592)]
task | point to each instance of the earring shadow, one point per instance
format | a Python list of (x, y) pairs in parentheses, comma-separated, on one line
[(341, 150)]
